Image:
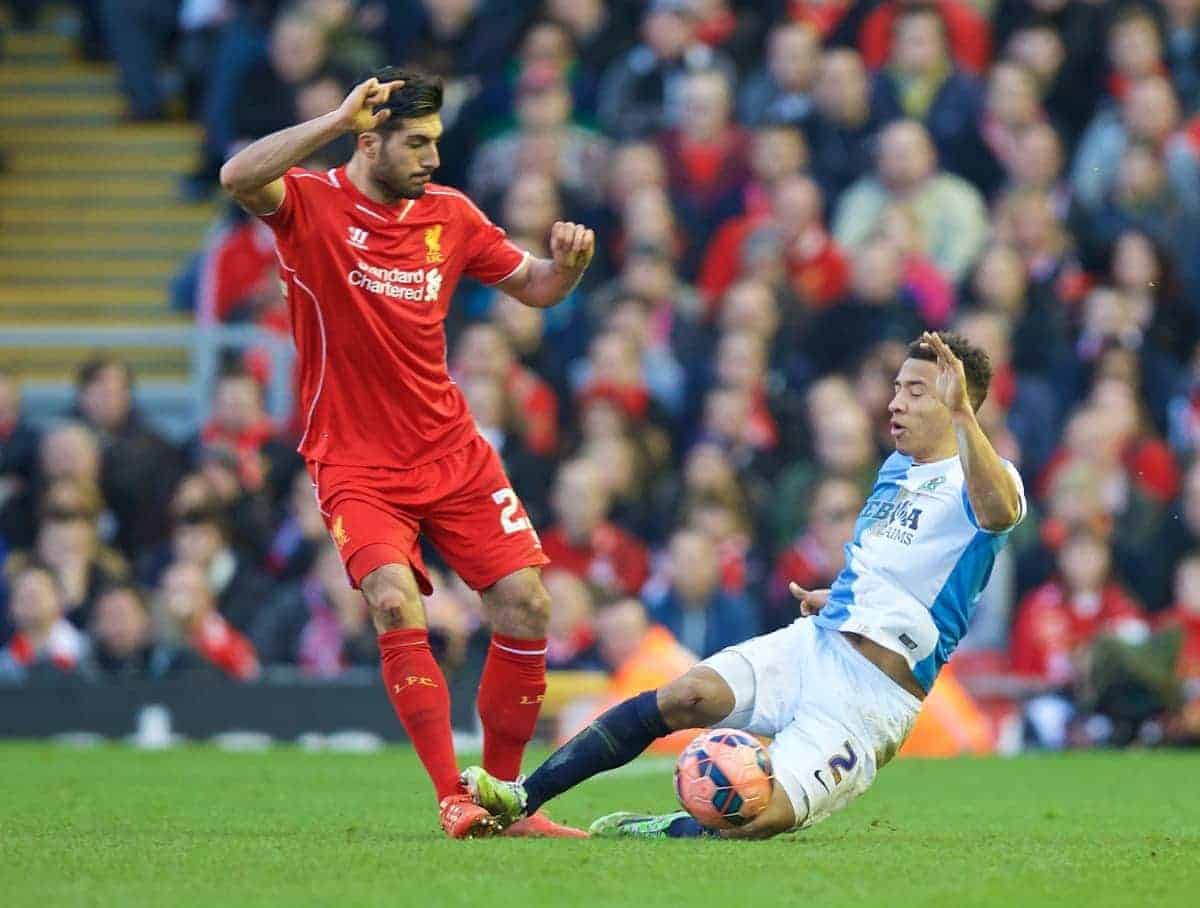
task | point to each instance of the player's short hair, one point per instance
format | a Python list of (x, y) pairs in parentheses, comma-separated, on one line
[(976, 363), (420, 96)]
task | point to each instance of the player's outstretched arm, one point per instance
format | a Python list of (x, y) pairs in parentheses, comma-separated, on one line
[(547, 281), (253, 175), (991, 488)]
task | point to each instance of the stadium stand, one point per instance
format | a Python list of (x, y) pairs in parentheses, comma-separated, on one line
[(783, 196)]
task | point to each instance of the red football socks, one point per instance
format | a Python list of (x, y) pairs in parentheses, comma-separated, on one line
[(510, 698), (417, 688)]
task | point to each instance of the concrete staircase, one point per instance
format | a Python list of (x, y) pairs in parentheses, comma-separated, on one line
[(91, 225)]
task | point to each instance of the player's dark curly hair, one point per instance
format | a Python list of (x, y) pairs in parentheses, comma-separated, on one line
[(420, 96), (976, 363)]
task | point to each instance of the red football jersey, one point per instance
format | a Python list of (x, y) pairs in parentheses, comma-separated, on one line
[(368, 287)]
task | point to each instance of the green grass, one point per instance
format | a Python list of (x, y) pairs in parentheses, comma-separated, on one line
[(200, 827)]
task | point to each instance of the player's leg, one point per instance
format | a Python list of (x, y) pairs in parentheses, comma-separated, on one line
[(722, 690), (829, 754), (513, 683), (763, 680), (698, 698), (779, 816), (413, 680), (418, 691), (378, 545), (482, 530)]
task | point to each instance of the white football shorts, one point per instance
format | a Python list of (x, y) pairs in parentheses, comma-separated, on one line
[(834, 716)]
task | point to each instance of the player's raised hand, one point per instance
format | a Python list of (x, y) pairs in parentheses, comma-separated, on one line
[(357, 112), (951, 386), (811, 601), (571, 246)]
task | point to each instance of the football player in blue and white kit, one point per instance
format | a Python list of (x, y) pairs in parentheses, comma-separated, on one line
[(837, 690)]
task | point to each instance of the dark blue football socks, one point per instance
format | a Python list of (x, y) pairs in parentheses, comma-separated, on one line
[(685, 827), (612, 740)]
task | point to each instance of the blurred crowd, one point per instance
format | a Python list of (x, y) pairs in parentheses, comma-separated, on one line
[(784, 194)]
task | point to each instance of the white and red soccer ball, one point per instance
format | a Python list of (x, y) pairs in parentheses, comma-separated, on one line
[(724, 778)]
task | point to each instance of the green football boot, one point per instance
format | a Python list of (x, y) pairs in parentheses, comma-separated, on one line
[(503, 800), (623, 825)]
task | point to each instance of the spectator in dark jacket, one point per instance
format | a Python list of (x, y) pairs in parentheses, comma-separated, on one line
[(267, 94), (191, 632), (45, 646), (121, 633), (68, 451), (139, 468), (967, 32), (875, 311), (601, 29), (1012, 114), (1064, 48), (639, 93), (299, 536), (465, 38), (781, 91), (68, 544), (702, 617), (921, 83), (318, 623), (1182, 48), (18, 439), (18, 453), (841, 136), (201, 537)]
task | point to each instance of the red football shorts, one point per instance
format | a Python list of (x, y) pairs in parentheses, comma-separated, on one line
[(462, 502)]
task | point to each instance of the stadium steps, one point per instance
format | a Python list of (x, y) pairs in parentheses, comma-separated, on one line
[(48, 364), (91, 226)]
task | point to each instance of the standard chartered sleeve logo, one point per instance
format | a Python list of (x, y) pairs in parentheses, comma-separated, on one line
[(419, 286), (433, 284)]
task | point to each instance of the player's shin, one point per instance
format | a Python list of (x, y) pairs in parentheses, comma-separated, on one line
[(510, 698), (614, 739), (417, 688)]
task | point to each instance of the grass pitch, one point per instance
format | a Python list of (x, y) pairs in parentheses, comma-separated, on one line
[(201, 827)]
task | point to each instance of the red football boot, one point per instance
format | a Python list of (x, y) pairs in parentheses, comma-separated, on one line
[(462, 818), (540, 826)]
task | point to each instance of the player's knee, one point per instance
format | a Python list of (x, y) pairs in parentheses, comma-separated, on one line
[(535, 605), (393, 598), (519, 605), (699, 698)]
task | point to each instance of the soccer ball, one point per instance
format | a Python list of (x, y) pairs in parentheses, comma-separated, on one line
[(724, 778)]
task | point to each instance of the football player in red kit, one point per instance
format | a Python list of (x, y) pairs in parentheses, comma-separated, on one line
[(371, 254)]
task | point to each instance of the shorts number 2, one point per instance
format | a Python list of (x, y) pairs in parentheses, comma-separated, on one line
[(838, 763), (509, 521)]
